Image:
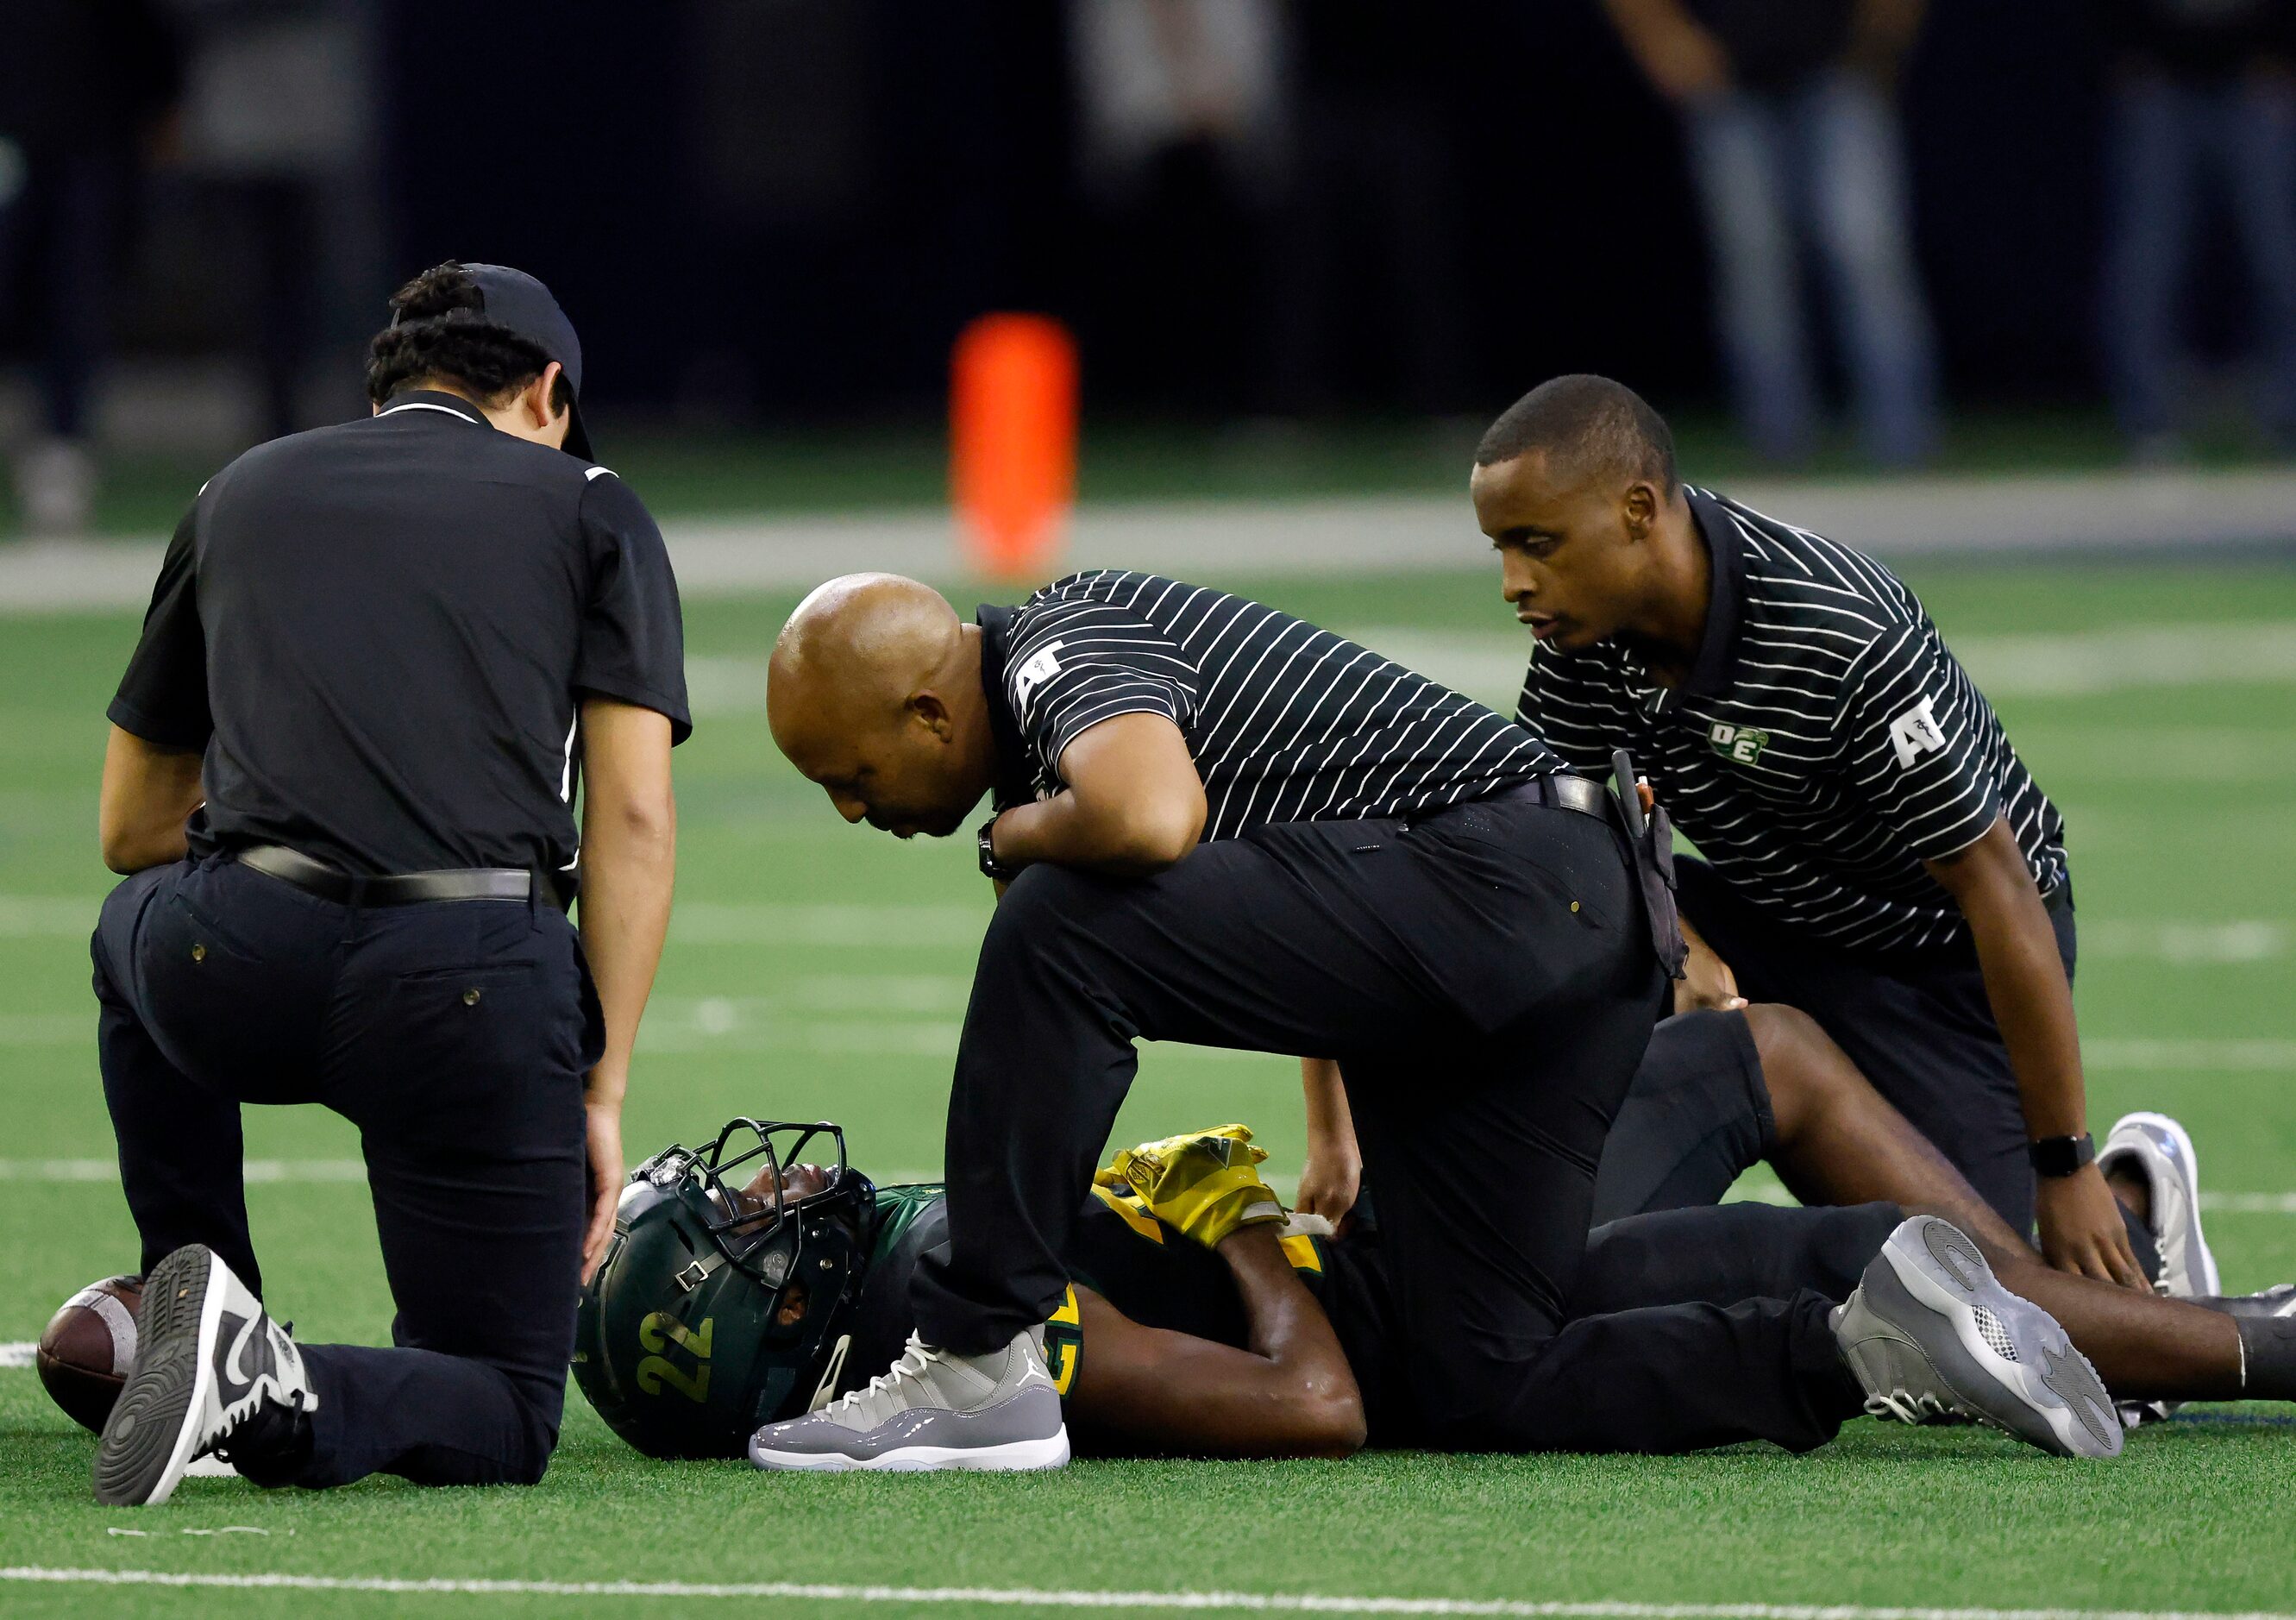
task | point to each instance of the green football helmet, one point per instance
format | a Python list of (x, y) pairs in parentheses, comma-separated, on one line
[(720, 1305)]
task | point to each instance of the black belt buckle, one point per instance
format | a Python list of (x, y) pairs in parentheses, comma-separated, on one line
[(1649, 844)]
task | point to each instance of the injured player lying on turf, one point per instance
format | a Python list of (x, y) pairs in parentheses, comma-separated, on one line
[(1199, 1323)]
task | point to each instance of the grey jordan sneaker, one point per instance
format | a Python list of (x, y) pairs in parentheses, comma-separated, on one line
[(2158, 1149), (208, 1362), (1932, 1336), (934, 1410)]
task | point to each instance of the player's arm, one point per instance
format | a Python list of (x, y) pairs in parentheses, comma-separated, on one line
[(629, 863), (149, 792), (160, 721), (1330, 1176), (1133, 803), (2081, 1228), (1290, 1394)]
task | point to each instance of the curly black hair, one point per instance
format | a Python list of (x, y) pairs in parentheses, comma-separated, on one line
[(440, 331)]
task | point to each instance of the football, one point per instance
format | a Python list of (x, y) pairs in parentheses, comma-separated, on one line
[(89, 1344)]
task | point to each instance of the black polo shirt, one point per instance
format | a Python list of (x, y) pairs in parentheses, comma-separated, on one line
[(1285, 721), (379, 634), (1824, 744)]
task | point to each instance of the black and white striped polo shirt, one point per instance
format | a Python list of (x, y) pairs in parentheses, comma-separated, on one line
[(1287, 723), (1823, 745)]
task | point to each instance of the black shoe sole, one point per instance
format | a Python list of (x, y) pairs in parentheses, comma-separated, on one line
[(140, 1437)]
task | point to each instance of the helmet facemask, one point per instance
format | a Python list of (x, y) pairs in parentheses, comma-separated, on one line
[(722, 1300)]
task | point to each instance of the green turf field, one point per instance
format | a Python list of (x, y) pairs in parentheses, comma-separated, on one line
[(818, 969)]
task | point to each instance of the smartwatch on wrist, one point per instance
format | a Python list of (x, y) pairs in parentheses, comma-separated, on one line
[(2054, 1156), (989, 865)]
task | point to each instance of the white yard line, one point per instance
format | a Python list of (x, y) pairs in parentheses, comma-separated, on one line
[(1025, 1597), (2184, 945)]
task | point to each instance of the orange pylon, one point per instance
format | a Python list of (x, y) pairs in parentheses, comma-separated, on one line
[(1013, 442)]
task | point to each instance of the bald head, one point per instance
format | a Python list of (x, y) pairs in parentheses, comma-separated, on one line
[(860, 644), (874, 693)]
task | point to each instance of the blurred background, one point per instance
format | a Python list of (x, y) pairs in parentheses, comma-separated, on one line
[(1305, 246)]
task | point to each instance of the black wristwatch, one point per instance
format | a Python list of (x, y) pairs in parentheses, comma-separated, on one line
[(2060, 1155), (989, 865)]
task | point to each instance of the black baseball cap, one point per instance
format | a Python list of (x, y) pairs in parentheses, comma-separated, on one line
[(519, 303)]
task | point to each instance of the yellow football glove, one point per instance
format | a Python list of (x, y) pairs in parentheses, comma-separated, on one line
[(1204, 1184)]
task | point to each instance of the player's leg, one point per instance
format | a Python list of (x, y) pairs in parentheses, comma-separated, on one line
[(180, 1154), (2145, 1347), (1312, 938), (224, 975), (1838, 1142), (1718, 1092), (1921, 1032), (1725, 1253), (1929, 1048), (1698, 1116), (1483, 1171), (466, 1085)]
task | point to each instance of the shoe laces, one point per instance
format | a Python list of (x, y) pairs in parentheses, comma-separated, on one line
[(1914, 1407), (221, 1446), (914, 1359)]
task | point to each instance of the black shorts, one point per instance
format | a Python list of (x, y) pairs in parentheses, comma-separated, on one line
[(1697, 1117)]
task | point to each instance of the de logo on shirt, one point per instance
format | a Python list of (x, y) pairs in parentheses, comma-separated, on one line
[(1738, 744)]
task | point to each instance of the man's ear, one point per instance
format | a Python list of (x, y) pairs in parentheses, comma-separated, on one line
[(933, 715), (536, 399), (1638, 509)]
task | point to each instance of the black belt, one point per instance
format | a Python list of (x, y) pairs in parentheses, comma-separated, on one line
[(400, 889), (1649, 839), (1565, 792)]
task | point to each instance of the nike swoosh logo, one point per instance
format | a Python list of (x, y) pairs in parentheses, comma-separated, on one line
[(827, 1389), (237, 1380)]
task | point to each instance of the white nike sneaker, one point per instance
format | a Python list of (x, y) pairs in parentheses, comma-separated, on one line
[(2158, 1149), (1932, 1335), (208, 1359), (934, 1410)]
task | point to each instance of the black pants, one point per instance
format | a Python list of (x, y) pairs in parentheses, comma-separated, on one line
[(1690, 1325), (1697, 1118), (1920, 1028), (1484, 978), (456, 1036)]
